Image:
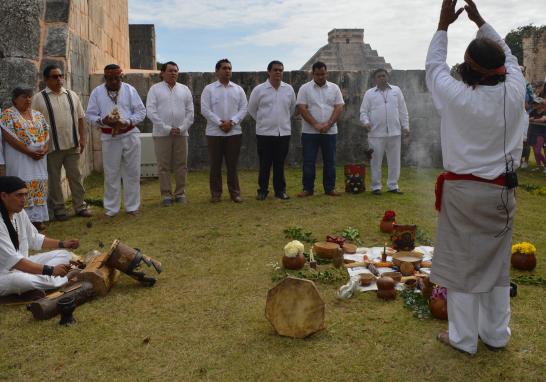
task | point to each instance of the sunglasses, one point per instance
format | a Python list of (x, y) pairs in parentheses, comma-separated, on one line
[(56, 76)]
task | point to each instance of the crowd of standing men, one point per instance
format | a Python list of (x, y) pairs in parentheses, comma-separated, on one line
[(45, 132)]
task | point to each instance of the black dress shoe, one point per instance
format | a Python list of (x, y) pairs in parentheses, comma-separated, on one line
[(261, 195), (376, 192), (282, 196), (396, 191)]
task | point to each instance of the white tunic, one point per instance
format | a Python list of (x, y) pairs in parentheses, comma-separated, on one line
[(14, 281), (169, 107), (385, 111), (29, 238), (473, 128), (272, 108), (129, 104)]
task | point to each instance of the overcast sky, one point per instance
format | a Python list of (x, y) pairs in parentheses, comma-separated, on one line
[(196, 33)]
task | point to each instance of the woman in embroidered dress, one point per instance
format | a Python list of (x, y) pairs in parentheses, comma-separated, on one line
[(26, 135)]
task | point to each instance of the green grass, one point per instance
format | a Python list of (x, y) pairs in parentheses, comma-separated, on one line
[(204, 319)]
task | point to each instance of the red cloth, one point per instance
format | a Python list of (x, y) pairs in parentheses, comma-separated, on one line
[(501, 181), (108, 130)]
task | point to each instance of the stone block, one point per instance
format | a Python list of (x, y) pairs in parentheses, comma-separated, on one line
[(15, 72), (56, 41), (57, 11), (20, 28)]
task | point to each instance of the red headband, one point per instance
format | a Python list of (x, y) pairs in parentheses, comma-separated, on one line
[(113, 72), (500, 71)]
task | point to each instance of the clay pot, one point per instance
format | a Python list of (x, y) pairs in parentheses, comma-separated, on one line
[(524, 262), (387, 226), (388, 294), (396, 276), (385, 283), (438, 308), (366, 279), (293, 263)]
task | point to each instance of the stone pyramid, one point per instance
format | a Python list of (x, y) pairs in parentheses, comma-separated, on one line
[(346, 51)]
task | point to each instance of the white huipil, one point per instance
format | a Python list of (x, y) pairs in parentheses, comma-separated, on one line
[(13, 281), (482, 128), (387, 114), (120, 154)]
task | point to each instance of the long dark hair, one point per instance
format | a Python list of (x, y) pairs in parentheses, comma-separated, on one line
[(11, 229), (487, 54)]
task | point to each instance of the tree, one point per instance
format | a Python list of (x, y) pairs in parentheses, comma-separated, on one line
[(514, 39)]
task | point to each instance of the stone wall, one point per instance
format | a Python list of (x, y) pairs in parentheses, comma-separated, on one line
[(142, 43), (422, 150), (80, 36), (534, 57)]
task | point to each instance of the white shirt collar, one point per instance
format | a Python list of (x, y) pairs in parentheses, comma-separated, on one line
[(63, 90), (388, 87)]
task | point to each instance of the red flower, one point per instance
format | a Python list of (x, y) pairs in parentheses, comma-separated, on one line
[(389, 215)]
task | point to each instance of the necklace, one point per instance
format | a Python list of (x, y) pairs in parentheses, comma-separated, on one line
[(113, 95)]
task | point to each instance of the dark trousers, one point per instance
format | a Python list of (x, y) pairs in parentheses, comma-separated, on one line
[(220, 148), (272, 151), (311, 144)]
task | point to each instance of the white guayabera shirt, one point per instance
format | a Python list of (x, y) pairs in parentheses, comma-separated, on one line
[(169, 107), (475, 135), (272, 108), (320, 101), (385, 111), (223, 103)]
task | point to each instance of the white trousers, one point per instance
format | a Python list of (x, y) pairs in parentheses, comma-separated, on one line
[(479, 314), (390, 146), (121, 163), (16, 282)]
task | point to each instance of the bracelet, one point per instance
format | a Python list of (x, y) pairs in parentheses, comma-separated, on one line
[(61, 244), (47, 270)]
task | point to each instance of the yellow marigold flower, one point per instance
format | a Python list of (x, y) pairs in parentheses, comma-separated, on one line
[(524, 248)]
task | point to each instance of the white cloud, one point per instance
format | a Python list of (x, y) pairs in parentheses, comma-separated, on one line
[(399, 31)]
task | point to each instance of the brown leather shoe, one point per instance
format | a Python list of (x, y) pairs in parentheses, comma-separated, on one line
[(305, 194), (443, 337), (85, 213), (332, 193), (61, 217), (236, 199)]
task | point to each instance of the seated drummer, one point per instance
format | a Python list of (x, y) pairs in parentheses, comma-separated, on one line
[(20, 274)]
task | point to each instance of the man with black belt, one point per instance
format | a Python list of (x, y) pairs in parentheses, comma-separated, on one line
[(483, 120), (64, 114), (271, 105)]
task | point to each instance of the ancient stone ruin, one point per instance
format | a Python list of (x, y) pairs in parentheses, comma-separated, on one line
[(347, 51)]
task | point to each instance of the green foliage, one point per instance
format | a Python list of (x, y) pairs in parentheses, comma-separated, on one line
[(326, 276), (416, 302), (514, 39), (530, 280), (533, 189), (297, 233), (352, 234), (422, 237)]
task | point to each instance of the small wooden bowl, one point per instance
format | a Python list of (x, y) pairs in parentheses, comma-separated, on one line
[(366, 279), (349, 248), (396, 276)]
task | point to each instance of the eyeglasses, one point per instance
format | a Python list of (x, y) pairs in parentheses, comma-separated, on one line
[(56, 76)]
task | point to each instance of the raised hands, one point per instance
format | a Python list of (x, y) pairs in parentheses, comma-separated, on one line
[(448, 14), (473, 14)]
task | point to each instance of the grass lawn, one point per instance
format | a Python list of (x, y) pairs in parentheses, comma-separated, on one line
[(204, 319)]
